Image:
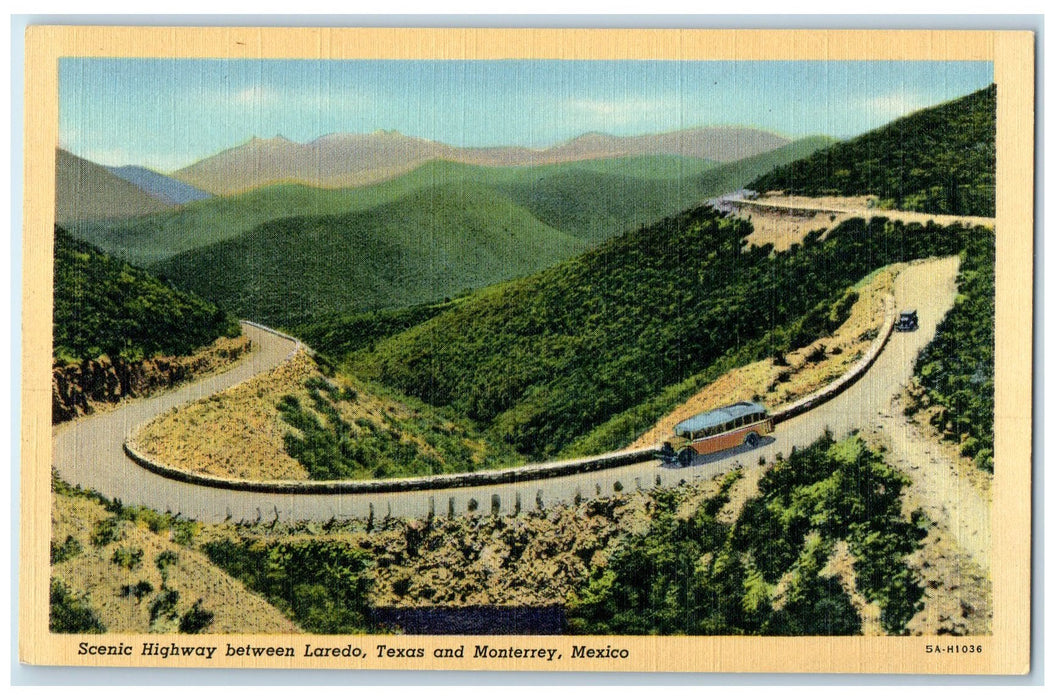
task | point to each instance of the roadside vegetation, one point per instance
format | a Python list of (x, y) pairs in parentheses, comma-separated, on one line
[(116, 568), (770, 571), (319, 583), (956, 370), (104, 306), (940, 160)]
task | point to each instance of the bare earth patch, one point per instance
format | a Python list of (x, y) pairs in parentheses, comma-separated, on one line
[(807, 369), (122, 593), (954, 559)]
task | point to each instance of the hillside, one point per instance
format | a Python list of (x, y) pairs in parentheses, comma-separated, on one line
[(153, 238), (163, 187), (85, 190), (546, 359), (432, 244), (430, 234), (940, 160), (106, 306), (596, 202), (355, 160)]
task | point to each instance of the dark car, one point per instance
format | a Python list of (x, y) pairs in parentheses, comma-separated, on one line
[(908, 321)]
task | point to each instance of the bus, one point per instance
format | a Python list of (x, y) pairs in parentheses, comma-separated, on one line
[(741, 423)]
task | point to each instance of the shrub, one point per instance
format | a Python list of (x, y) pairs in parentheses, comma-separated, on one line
[(138, 590), (196, 619), (127, 557), (65, 551), (71, 614)]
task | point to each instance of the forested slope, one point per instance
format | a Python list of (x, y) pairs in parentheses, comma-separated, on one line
[(546, 359), (940, 160), (106, 306)]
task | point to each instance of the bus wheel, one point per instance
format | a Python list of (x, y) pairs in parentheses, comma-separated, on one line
[(752, 440), (685, 456)]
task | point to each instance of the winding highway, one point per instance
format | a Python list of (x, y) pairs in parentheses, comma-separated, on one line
[(89, 452)]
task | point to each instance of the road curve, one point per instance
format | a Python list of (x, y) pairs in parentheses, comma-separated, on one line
[(89, 452)]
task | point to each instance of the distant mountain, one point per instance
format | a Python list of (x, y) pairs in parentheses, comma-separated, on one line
[(353, 160), (940, 160), (85, 190), (591, 200), (163, 187)]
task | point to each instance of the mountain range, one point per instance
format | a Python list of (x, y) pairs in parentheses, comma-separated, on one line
[(354, 160), (163, 187)]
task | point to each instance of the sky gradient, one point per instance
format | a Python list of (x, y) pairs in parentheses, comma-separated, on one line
[(168, 113)]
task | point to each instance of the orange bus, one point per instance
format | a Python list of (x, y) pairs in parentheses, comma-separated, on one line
[(741, 423)]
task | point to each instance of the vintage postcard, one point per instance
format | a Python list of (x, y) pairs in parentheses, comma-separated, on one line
[(571, 350)]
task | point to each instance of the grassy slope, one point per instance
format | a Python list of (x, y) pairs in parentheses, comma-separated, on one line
[(138, 571), (106, 306), (939, 160), (435, 243)]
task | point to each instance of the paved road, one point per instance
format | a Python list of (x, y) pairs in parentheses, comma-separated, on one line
[(89, 452)]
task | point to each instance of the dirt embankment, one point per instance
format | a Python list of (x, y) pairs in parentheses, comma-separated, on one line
[(85, 387), (801, 372)]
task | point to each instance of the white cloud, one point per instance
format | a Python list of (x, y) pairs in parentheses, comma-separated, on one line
[(254, 95), (894, 104)]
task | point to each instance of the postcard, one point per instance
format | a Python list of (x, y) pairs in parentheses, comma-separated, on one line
[(527, 349)]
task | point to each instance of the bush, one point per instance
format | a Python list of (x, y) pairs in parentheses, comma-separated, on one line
[(71, 614), (139, 590), (128, 557), (195, 620), (105, 532), (65, 551)]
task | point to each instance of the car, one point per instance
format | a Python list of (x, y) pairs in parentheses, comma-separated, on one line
[(907, 321)]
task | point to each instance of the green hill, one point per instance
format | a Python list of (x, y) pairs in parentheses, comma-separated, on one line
[(432, 244), (596, 200), (547, 359), (940, 160), (106, 306)]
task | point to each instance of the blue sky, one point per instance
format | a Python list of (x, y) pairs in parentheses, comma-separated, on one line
[(167, 113)]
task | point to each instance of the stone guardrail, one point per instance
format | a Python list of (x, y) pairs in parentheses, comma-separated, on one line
[(299, 343), (530, 472)]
